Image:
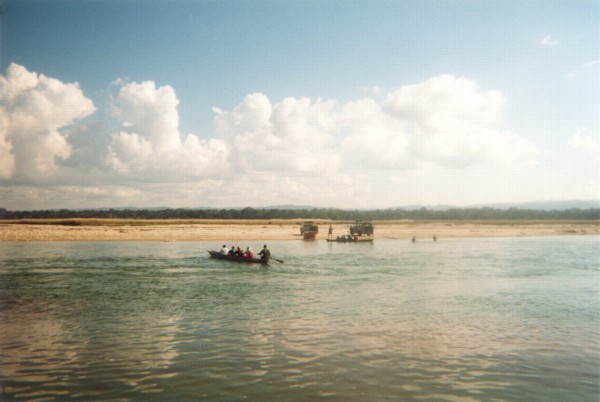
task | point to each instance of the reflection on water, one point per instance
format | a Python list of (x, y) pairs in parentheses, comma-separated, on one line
[(511, 319), (55, 333)]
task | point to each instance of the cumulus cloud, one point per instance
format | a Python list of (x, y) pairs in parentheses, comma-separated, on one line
[(293, 136), (7, 159), (444, 121), (318, 146), (319, 152), (373, 138), (451, 121), (149, 141), (33, 110)]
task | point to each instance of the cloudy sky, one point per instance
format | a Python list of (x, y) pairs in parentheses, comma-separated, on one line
[(346, 104)]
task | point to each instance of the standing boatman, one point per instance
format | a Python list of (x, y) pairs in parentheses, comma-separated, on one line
[(330, 233)]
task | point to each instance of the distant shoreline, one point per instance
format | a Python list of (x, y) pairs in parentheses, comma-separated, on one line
[(264, 230)]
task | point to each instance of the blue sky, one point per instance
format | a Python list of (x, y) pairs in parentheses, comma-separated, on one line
[(306, 102)]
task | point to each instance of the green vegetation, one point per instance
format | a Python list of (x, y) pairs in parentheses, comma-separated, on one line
[(423, 214)]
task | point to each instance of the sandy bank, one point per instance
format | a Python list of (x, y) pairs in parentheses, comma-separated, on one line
[(278, 230)]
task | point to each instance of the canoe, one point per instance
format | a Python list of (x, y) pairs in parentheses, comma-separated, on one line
[(235, 258), (350, 241)]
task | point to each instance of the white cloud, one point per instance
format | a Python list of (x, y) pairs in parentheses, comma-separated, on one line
[(293, 136), (448, 121), (33, 109), (318, 152), (590, 64), (587, 68), (374, 139), (549, 41), (372, 91), (330, 149), (149, 141), (7, 159), (578, 188), (72, 196), (444, 121), (583, 143)]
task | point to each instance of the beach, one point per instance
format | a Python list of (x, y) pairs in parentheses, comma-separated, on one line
[(197, 230)]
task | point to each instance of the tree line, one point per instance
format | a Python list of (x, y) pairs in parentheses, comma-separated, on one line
[(423, 214)]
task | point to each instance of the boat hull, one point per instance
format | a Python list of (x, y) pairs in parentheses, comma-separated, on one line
[(350, 241), (216, 255), (309, 235)]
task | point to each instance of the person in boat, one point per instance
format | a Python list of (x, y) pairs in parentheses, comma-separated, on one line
[(224, 250), (338, 238), (232, 251), (240, 252), (249, 253), (265, 254), (414, 239), (330, 233)]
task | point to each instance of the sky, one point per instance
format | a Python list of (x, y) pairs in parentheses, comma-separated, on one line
[(336, 104)]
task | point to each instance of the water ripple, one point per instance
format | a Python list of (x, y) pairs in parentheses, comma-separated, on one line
[(479, 320)]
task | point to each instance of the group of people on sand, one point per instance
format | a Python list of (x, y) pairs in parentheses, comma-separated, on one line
[(348, 237), (237, 251)]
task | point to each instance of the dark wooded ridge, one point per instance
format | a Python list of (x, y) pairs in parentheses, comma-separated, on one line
[(422, 214)]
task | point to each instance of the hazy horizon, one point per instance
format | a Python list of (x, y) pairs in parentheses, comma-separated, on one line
[(350, 105), (535, 205)]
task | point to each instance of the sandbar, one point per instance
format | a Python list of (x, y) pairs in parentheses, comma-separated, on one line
[(225, 231)]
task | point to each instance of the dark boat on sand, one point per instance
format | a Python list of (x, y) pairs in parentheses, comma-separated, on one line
[(309, 235), (235, 258)]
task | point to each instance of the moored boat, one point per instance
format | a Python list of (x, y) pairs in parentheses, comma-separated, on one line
[(350, 241), (235, 258)]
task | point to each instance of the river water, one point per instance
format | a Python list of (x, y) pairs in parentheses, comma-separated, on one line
[(477, 319)]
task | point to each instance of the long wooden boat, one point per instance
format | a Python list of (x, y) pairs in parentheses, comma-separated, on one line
[(350, 241), (235, 258)]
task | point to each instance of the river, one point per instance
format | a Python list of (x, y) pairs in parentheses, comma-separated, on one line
[(462, 319)]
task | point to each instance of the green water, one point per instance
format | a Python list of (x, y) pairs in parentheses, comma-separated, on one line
[(487, 319)]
